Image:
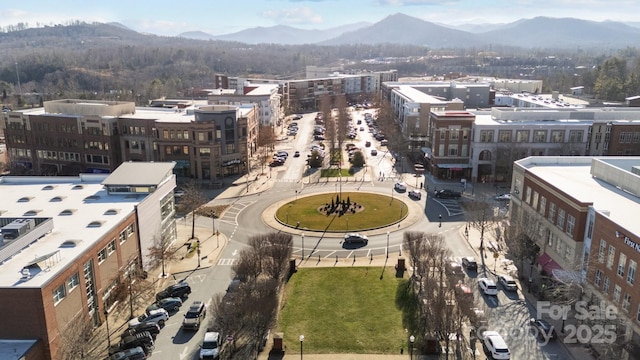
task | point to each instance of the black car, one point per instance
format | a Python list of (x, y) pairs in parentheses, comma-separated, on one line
[(150, 327), (544, 330), (470, 263), (447, 194), (171, 304), (143, 340), (180, 290)]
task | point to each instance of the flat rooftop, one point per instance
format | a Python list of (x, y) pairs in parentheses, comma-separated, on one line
[(573, 176), (84, 199)]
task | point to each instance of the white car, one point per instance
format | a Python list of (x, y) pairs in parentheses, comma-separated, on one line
[(400, 187), (508, 283), (495, 345), (158, 316), (415, 194), (488, 286), (210, 348), (503, 197)]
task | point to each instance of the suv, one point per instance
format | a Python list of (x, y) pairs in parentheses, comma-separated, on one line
[(448, 194), (469, 263), (151, 327), (181, 290), (194, 316), (495, 345), (454, 269), (143, 340), (210, 348), (508, 283), (400, 187), (158, 316), (488, 286), (356, 238)]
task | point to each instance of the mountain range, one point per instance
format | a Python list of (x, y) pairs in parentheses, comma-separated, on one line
[(539, 32)]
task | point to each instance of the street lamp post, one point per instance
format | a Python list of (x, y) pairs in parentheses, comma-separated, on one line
[(106, 320), (213, 218), (411, 340), (198, 251), (217, 238), (301, 341), (440, 219), (302, 237), (387, 244), (347, 223), (130, 295), (296, 195)]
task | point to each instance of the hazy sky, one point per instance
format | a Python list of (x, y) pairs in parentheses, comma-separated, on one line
[(218, 17)]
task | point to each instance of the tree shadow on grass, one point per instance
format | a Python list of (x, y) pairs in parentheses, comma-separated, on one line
[(408, 302)]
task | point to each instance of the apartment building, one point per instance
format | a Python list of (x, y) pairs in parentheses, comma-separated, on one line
[(267, 97), (66, 244), (65, 137), (586, 208), (68, 137), (450, 136), (615, 138)]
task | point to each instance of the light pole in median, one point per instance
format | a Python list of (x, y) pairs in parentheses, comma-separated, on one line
[(387, 244), (302, 237)]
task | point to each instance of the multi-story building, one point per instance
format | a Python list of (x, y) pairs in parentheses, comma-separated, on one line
[(207, 142), (65, 137), (615, 137), (66, 244), (266, 96), (451, 142), (586, 210)]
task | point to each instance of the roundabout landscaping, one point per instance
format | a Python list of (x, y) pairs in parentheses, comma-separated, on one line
[(350, 212)]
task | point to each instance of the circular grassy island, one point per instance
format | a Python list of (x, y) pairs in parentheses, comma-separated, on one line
[(353, 211)]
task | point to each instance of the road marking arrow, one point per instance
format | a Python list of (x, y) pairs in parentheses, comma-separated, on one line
[(184, 353)]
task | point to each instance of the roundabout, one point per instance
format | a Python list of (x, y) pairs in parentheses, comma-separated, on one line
[(339, 213)]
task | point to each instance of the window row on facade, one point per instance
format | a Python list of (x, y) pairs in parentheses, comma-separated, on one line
[(535, 136)]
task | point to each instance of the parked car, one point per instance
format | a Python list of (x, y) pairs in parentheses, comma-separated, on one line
[(495, 345), (354, 238), (282, 153), (148, 326), (374, 152), (170, 304), (470, 263), (448, 194), (296, 154), (503, 197), (508, 283), (181, 290), (158, 316), (177, 192), (367, 144), (194, 316), (142, 340), (544, 330), (400, 187), (488, 286), (136, 353), (210, 347), (415, 194)]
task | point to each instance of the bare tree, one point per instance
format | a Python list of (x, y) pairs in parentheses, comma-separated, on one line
[(133, 288), (481, 215), (519, 237), (161, 251), (266, 143), (342, 123), (192, 199), (75, 340)]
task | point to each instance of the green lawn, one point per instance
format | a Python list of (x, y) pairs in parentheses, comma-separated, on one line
[(346, 310), (379, 210), (335, 172)]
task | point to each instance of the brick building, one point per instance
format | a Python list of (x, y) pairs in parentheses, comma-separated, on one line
[(66, 244)]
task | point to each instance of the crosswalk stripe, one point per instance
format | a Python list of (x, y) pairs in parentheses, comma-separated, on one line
[(226, 262)]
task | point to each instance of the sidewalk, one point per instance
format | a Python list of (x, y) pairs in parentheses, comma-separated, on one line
[(576, 351)]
